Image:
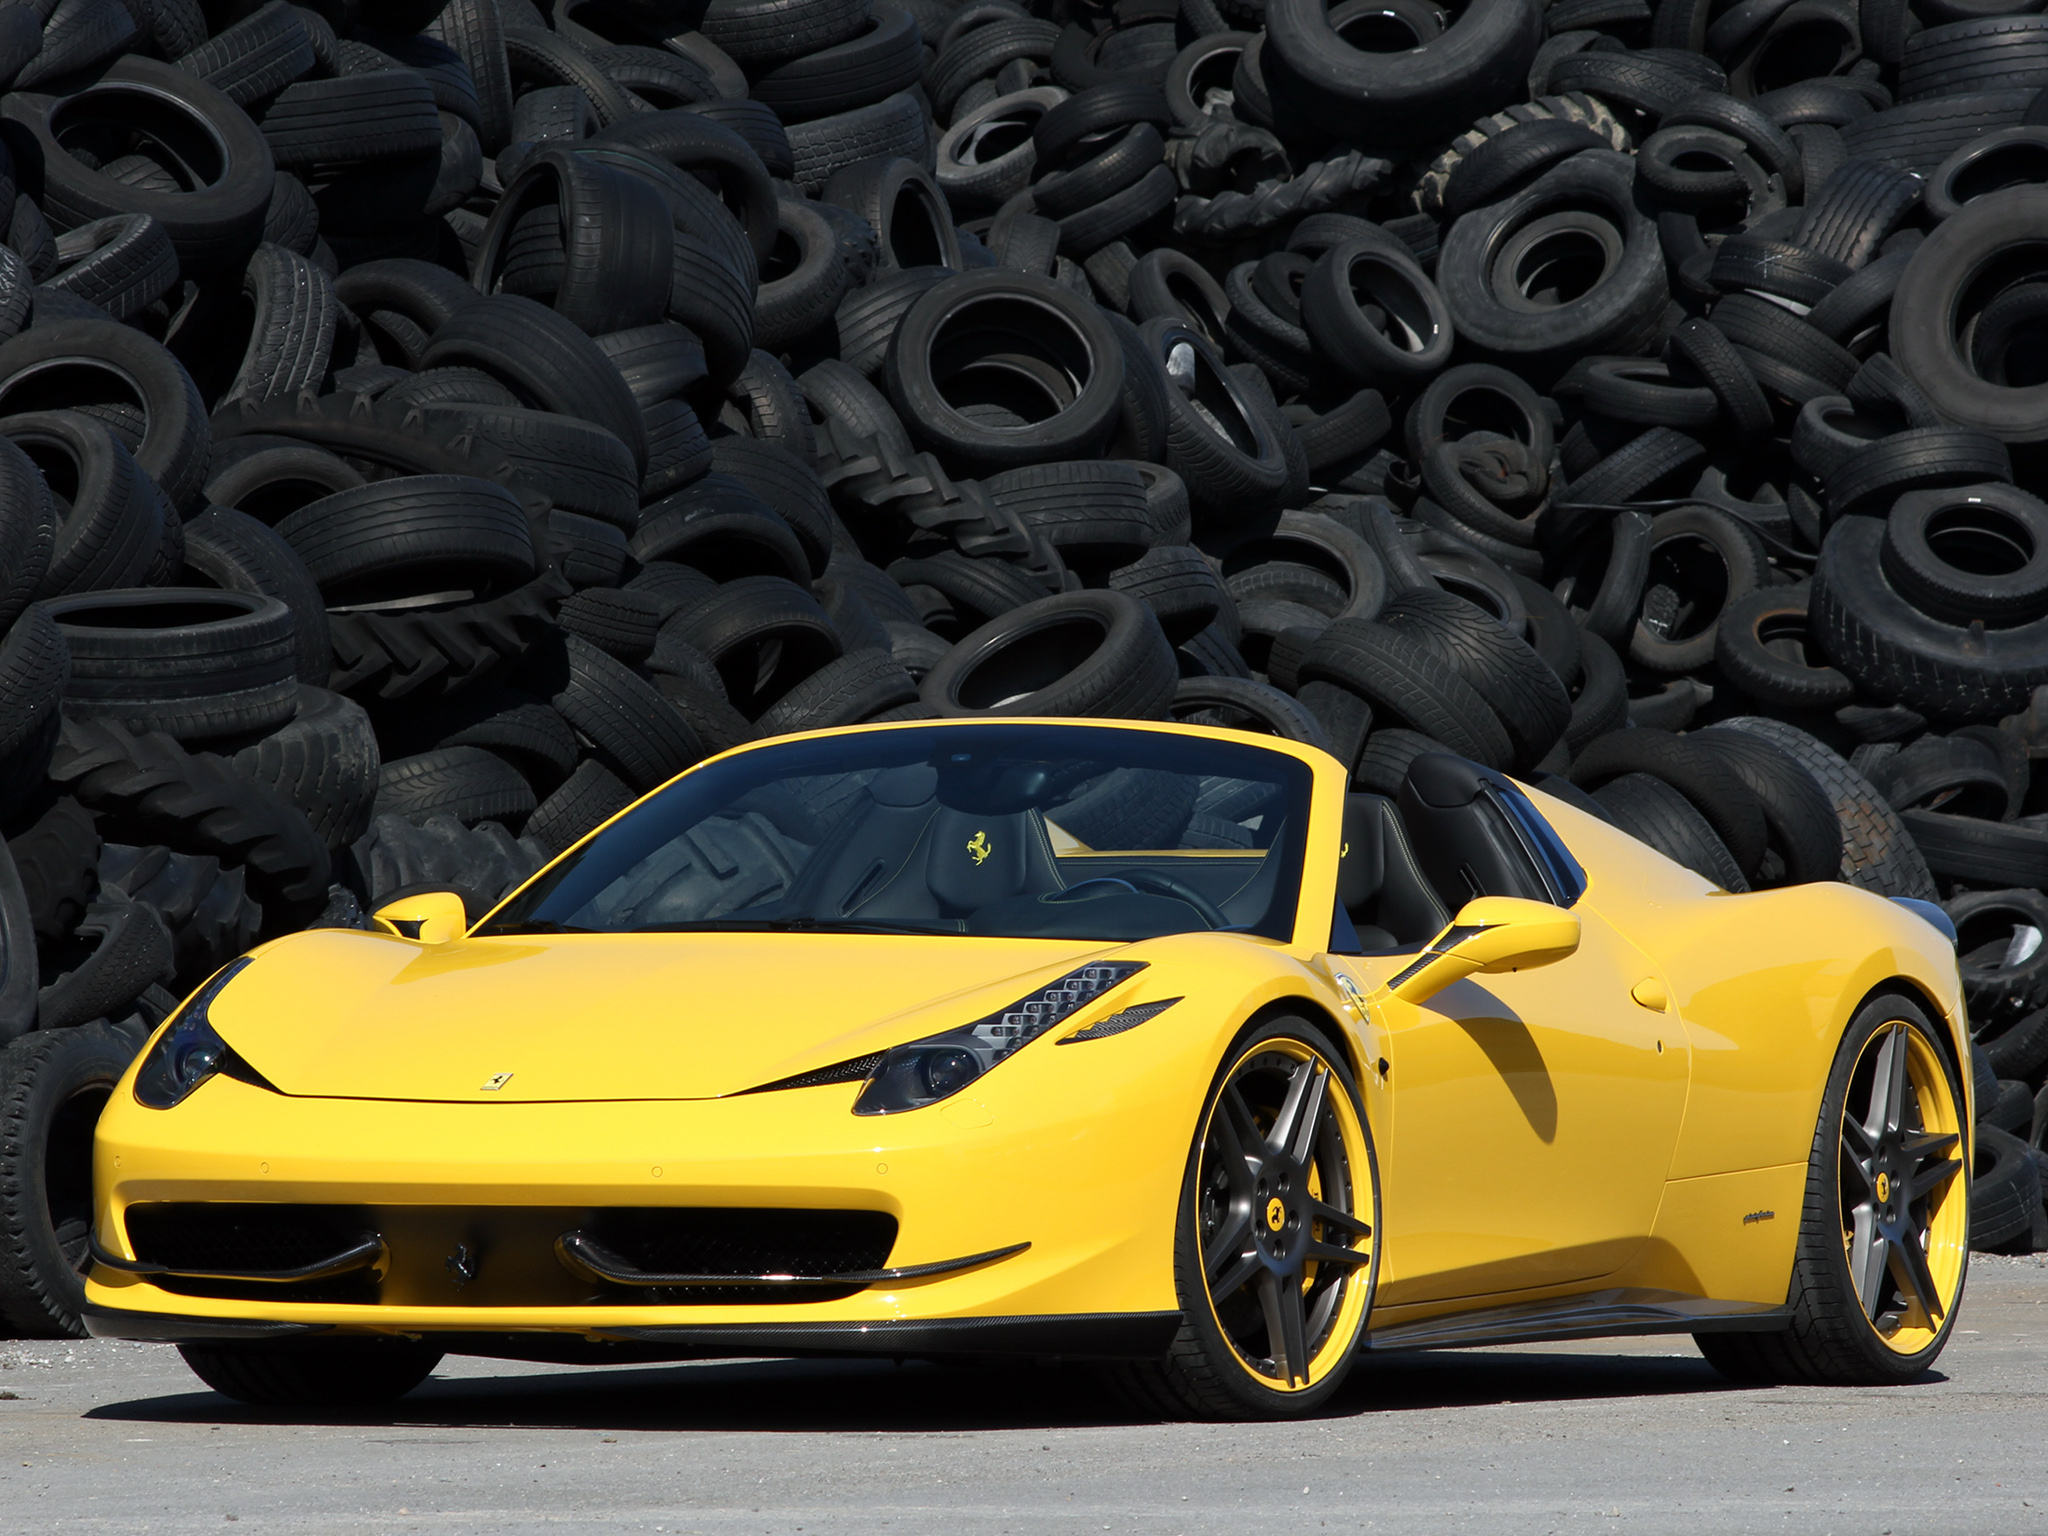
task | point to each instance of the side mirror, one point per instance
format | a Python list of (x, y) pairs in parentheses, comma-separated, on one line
[(1489, 935), (427, 917)]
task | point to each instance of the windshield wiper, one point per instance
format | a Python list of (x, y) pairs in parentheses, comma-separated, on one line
[(533, 925)]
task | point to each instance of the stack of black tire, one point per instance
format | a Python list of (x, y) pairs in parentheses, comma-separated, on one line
[(426, 425)]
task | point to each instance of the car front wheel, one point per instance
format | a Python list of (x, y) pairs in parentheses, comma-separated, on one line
[(1275, 1246)]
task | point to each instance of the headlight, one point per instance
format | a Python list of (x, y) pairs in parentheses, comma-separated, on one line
[(939, 1066), (187, 1053)]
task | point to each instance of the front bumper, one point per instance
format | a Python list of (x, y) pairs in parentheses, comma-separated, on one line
[(1090, 1185)]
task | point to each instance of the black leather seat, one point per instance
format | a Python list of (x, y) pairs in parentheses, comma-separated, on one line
[(1380, 884), (907, 857), (1462, 836)]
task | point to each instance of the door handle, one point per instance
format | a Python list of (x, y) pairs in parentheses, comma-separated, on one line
[(1652, 994)]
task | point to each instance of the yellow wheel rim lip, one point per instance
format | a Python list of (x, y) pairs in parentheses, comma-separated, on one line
[(1350, 1317), (1947, 1230)]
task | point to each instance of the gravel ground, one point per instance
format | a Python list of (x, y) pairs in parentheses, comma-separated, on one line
[(1629, 1436)]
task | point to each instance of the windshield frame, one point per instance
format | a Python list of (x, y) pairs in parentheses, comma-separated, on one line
[(1301, 867)]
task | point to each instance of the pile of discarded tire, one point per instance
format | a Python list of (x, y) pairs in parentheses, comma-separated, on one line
[(426, 425)]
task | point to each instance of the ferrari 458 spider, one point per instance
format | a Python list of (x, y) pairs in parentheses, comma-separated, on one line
[(1142, 1044)]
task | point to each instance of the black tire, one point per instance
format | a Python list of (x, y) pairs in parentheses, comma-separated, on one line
[(1704, 353), (1878, 853), (150, 788), (28, 529), (1714, 786), (545, 357), (1481, 269), (229, 549), (53, 859), (206, 909), (884, 57), (1171, 285), (78, 363), (482, 863), (52, 1087), (1178, 585), (992, 369), (893, 126), (324, 760), (123, 264), (2004, 973), (2020, 1050), (723, 530), (611, 258), (1895, 652), (1957, 775), (1832, 1339), (382, 115), (1974, 552), (1094, 512), (1966, 849), (471, 784), (1762, 645), (1244, 705), (1654, 813), (1525, 695), (110, 532), (808, 273), (588, 798), (763, 634), (1409, 683), (1207, 1373), (313, 1373), (642, 738), (870, 316), (1700, 560), (658, 361), (34, 667), (474, 29), (577, 465), (857, 686), (757, 33), (1080, 653), (1919, 458), (1412, 343), (786, 484), (1233, 450), (190, 662), (1481, 63), (1803, 838), (987, 156), (394, 539), (213, 225)]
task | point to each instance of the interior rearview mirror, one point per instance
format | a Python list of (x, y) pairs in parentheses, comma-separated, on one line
[(1490, 935), (427, 917)]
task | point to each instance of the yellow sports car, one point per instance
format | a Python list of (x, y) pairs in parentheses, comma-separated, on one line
[(1145, 1044)]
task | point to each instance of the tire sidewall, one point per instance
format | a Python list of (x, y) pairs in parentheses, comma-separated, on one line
[(1874, 1016), (1198, 1326)]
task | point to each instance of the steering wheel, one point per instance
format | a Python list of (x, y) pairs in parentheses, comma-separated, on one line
[(1166, 885)]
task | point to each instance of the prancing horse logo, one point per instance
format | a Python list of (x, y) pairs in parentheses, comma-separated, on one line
[(496, 1081), (978, 845)]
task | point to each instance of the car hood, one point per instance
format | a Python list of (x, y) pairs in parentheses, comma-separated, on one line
[(343, 1014)]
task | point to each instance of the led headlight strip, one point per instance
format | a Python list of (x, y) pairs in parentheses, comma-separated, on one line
[(939, 1066)]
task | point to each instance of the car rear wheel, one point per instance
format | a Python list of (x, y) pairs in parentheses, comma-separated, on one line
[(1275, 1252), (313, 1373), (1884, 1242)]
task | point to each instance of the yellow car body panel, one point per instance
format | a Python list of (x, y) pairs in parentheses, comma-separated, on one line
[(1616, 1119)]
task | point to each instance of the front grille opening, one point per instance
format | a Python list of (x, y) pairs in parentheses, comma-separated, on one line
[(506, 1253), (235, 1236), (747, 1241)]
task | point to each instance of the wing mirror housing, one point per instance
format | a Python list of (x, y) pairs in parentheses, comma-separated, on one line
[(1489, 936), (426, 917)]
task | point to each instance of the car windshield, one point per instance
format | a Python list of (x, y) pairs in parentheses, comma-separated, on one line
[(1007, 830)]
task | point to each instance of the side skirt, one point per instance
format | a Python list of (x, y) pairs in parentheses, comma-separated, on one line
[(1594, 1315)]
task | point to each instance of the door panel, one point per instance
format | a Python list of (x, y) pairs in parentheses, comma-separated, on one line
[(1534, 1116)]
